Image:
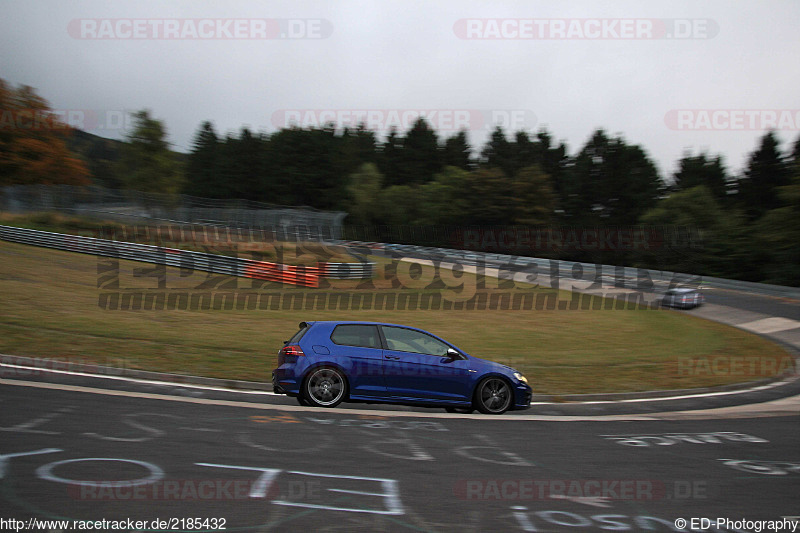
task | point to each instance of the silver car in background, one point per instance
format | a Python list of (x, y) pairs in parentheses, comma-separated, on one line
[(683, 298)]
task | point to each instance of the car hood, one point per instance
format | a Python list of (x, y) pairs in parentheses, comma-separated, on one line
[(487, 365)]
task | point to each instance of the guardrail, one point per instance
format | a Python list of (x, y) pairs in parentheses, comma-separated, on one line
[(587, 273), (347, 270), (623, 277), (307, 276)]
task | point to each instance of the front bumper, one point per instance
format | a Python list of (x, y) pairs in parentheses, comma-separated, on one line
[(522, 397)]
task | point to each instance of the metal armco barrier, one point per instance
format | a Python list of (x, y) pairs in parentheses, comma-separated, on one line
[(569, 271), (217, 264), (295, 275), (309, 276), (347, 270)]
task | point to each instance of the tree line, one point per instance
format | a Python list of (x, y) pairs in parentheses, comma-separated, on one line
[(748, 224), (745, 226)]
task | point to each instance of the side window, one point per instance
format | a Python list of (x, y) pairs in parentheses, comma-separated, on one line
[(299, 335), (356, 335), (409, 340)]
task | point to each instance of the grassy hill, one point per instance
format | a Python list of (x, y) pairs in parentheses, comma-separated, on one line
[(51, 310)]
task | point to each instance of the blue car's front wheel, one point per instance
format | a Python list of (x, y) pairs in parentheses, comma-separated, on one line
[(325, 387), (493, 396)]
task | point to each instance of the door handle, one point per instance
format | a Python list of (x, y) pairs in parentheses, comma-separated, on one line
[(392, 357)]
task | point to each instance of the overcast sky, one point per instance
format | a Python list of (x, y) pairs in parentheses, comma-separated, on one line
[(671, 75)]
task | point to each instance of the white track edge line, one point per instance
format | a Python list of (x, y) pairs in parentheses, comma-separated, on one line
[(272, 393)]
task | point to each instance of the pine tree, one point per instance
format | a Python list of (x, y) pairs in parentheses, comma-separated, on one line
[(611, 182), (701, 169), (457, 152), (498, 153), (390, 158), (147, 164), (420, 158), (766, 171), (202, 178)]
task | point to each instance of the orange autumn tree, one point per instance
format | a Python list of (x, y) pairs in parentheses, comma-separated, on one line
[(33, 146)]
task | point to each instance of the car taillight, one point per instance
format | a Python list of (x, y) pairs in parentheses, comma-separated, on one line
[(292, 349)]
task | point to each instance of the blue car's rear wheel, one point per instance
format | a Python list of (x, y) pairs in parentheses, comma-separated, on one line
[(493, 396), (325, 387)]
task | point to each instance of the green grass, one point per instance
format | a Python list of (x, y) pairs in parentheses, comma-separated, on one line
[(49, 308)]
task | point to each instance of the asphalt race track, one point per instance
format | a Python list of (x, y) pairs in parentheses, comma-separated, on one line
[(80, 448)]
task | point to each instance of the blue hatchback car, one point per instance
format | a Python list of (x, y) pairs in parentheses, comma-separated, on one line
[(326, 363)]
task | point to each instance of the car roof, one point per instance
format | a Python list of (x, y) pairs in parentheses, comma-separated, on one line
[(369, 323), (361, 322)]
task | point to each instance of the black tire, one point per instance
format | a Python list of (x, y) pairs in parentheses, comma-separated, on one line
[(302, 400), (460, 410), (324, 387), (493, 396)]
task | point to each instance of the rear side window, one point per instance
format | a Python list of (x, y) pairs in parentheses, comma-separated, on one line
[(299, 335), (356, 335)]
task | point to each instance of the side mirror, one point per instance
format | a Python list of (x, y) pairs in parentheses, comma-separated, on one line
[(453, 354)]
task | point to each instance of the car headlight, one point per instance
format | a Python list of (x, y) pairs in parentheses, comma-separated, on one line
[(520, 377)]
